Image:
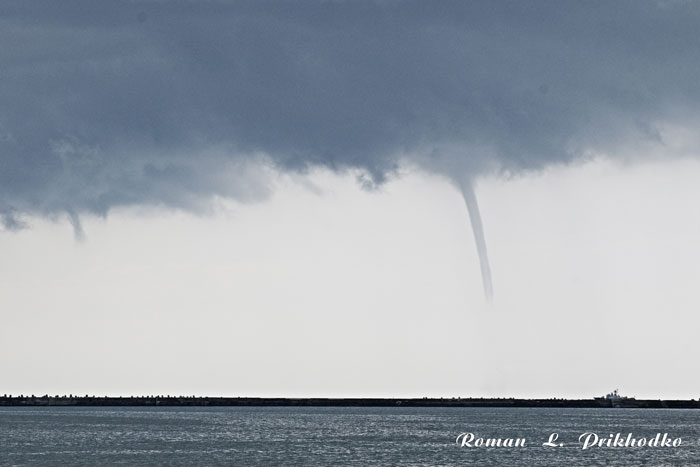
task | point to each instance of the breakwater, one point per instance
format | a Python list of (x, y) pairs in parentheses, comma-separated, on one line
[(193, 401)]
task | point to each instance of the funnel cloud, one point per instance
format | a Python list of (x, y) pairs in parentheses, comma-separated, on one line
[(479, 239)]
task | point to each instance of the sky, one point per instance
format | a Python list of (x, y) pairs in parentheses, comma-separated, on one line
[(255, 198)]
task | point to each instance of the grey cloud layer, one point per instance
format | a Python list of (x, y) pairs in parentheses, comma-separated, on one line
[(107, 103)]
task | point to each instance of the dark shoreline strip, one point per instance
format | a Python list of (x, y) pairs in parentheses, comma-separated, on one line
[(180, 401)]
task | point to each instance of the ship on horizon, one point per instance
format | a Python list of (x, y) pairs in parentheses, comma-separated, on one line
[(615, 398)]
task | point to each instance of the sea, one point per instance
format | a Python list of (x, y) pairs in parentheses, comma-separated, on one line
[(341, 436)]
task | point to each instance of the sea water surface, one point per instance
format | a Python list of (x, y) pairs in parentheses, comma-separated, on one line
[(318, 436)]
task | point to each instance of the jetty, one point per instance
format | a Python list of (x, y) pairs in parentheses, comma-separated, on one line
[(199, 401)]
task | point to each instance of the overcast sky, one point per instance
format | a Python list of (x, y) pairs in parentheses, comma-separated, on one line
[(260, 198)]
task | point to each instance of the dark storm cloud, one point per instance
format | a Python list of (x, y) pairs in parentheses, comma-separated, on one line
[(167, 102)]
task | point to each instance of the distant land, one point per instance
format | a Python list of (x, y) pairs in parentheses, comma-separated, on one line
[(192, 401)]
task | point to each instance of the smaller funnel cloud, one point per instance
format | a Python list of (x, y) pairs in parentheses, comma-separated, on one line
[(477, 227), (78, 232)]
